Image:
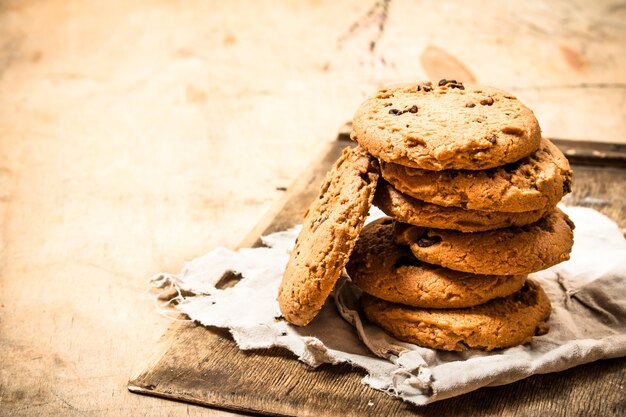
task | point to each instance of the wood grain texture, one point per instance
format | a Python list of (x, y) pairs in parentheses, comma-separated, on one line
[(136, 135), (274, 383), (204, 365)]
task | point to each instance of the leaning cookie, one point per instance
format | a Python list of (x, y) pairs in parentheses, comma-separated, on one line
[(537, 182), (499, 323), (329, 230), (446, 126), (407, 209), (390, 272), (514, 250)]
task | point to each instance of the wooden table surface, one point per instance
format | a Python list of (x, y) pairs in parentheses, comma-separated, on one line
[(136, 135)]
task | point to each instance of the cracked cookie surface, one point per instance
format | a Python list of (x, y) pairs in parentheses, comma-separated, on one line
[(390, 272), (536, 182), (514, 250), (329, 230), (446, 126), (499, 323), (407, 209)]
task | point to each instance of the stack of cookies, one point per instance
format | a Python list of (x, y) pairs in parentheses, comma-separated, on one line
[(471, 189)]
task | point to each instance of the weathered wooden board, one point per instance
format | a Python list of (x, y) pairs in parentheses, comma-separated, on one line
[(203, 365)]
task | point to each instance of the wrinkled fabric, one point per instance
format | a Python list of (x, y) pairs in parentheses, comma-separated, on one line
[(588, 321)]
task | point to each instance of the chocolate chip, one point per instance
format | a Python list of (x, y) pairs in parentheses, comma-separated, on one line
[(426, 241), (443, 82), (470, 105), (426, 86), (487, 101), (451, 84), (567, 186), (396, 112), (406, 261), (492, 139)]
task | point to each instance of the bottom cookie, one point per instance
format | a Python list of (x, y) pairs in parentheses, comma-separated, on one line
[(499, 323)]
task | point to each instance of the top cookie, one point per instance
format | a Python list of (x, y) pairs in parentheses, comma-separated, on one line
[(447, 126), (329, 231)]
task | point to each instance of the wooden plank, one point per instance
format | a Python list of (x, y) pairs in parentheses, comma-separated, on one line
[(593, 153), (204, 366)]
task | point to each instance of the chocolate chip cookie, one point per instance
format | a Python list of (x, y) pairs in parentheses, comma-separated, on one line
[(391, 272), (329, 230), (514, 250), (537, 182), (420, 213), (499, 323), (446, 126)]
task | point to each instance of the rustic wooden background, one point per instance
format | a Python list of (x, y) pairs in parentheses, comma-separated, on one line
[(136, 135)]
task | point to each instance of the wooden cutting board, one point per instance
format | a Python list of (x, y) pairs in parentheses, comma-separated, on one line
[(203, 365)]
